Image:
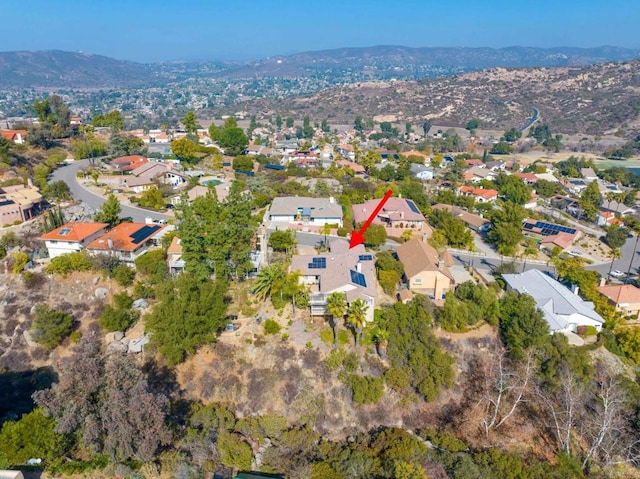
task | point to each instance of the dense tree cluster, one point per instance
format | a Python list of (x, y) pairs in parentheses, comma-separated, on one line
[(413, 348)]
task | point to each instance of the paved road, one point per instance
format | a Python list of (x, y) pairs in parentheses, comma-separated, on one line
[(480, 261), (630, 256), (68, 175), (531, 120)]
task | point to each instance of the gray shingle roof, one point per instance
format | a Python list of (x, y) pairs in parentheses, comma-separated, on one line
[(321, 207), (555, 300)]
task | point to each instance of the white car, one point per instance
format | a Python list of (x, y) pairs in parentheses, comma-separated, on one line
[(617, 273), (573, 252)]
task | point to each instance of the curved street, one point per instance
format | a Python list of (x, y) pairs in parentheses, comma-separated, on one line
[(68, 173)]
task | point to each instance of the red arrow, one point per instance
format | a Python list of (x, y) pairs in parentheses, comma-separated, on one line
[(357, 237)]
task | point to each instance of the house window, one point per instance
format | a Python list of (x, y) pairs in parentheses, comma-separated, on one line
[(417, 280)]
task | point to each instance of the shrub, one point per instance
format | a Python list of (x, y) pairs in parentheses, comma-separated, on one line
[(123, 275), (587, 331), (342, 232), (50, 326), (397, 378), (20, 260), (366, 389), (68, 263), (271, 327)]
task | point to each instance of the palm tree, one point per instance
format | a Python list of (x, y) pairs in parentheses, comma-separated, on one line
[(614, 254), (380, 337), (356, 317), (336, 308), (529, 250), (268, 280)]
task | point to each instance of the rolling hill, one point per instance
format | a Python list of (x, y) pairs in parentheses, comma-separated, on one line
[(592, 99)]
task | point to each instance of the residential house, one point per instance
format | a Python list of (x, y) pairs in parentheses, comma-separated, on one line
[(588, 174), (18, 203), (563, 309), (421, 172), (152, 173), (476, 174), (426, 272), (14, 136), (542, 229), (424, 156), (625, 297), (558, 240), (126, 164), (473, 222), (616, 207), (532, 202), (342, 269), (528, 178), (495, 165), (174, 256), (475, 162), (481, 195), (288, 210), (607, 218), (358, 169), (576, 186), (396, 213), (127, 241), (72, 237)]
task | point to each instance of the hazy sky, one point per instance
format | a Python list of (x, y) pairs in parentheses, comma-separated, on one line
[(250, 29)]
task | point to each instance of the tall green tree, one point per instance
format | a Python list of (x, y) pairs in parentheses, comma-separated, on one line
[(109, 211), (522, 324), (189, 313), (190, 123)]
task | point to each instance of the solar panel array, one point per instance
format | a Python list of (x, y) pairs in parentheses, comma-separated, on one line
[(318, 263), (413, 206), (365, 257), (64, 232), (548, 229), (143, 233), (358, 278)]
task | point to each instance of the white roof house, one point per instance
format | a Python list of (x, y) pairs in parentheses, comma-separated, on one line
[(563, 309), (303, 210)]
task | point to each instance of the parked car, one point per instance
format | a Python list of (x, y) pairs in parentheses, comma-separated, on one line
[(616, 273), (573, 252)]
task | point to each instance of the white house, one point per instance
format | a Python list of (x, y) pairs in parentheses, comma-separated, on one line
[(563, 309), (72, 237), (421, 172), (306, 211)]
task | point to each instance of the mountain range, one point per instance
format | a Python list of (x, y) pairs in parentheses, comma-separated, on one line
[(58, 69)]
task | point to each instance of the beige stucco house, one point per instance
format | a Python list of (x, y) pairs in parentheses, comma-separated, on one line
[(425, 270)]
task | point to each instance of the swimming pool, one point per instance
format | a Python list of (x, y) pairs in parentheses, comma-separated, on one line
[(213, 182)]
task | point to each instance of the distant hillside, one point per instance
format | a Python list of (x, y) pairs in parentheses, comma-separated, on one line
[(387, 62), (591, 99), (59, 69)]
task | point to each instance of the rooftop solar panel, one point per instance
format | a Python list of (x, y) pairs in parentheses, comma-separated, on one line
[(143, 233), (64, 231), (318, 263), (365, 257), (548, 229), (358, 278), (413, 206)]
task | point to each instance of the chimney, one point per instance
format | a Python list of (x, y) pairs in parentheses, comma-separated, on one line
[(603, 281), (440, 264), (402, 215), (575, 289), (332, 200), (359, 267)]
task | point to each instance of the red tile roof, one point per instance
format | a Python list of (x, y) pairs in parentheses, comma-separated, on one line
[(125, 237), (73, 232), (129, 163)]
